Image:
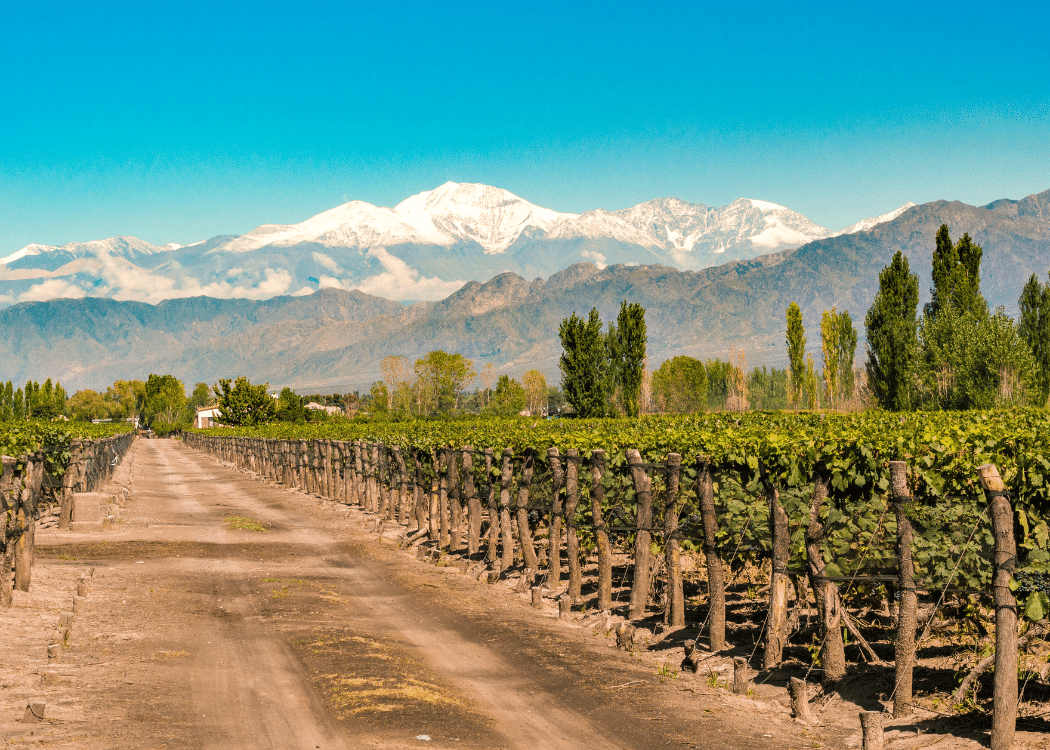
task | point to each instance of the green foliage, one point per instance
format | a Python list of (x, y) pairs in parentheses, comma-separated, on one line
[(244, 404), (796, 346), (1034, 330), (767, 390), (972, 360), (163, 400), (380, 403), (680, 386), (508, 398), (440, 380), (892, 331), (583, 364), (290, 407), (719, 374), (631, 337)]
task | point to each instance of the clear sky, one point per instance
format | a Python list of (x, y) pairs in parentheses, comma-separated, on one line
[(175, 122)]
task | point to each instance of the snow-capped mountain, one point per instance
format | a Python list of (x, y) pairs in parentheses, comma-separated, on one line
[(424, 248), (865, 224)]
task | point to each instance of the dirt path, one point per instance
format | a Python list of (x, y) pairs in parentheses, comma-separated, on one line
[(314, 634)]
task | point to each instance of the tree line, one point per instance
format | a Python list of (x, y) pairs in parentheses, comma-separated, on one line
[(957, 354)]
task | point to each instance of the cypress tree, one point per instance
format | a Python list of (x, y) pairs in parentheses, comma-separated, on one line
[(583, 364), (796, 345), (631, 337), (892, 331), (1034, 329)]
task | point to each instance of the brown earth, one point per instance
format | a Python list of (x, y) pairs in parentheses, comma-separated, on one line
[(314, 633)]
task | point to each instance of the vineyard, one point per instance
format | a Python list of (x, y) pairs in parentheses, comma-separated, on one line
[(896, 526), (46, 464)]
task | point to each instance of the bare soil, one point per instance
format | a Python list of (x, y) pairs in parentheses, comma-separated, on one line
[(201, 631)]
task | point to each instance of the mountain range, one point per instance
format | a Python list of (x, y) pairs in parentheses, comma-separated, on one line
[(334, 339), (424, 248)]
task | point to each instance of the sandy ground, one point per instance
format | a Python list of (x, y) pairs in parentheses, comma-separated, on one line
[(314, 633)]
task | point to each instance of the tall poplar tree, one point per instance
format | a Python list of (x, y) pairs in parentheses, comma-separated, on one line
[(796, 345), (892, 331), (583, 364), (1034, 330), (632, 339)]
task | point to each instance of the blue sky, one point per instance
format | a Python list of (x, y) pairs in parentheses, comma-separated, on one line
[(178, 122)]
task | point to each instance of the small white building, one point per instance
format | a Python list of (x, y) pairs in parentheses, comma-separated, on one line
[(314, 406), (207, 416)]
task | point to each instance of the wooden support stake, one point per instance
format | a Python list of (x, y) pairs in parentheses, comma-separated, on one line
[(492, 549), (904, 643), (506, 475), (537, 597), (1004, 708), (779, 582), (826, 593), (557, 514), (871, 728), (473, 504), (674, 612), (601, 533), (740, 675), (799, 692), (716, 587), (572, 538), (528, 548), (643, 540)]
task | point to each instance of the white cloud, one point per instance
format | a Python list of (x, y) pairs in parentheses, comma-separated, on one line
[(329, 282), (598, 258), (326, 261), (400, 282), (51, 289)]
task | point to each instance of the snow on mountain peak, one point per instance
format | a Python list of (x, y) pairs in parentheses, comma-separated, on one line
[(492, 217), (865, 224)]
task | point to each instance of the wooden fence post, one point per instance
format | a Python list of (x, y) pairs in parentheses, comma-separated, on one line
[(418, 495), (904, 643), (455, 500), (674, 612), (572, 538), (402, 487), (442, 467), (557, 513), (1004, 707), (826, 593), (528, 549), (506, 474), (473, 504), (601, 532), (779, 583), (643, 539), (492, 550), (716, 587)]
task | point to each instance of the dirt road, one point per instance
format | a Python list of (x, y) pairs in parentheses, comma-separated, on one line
[(201, 630)]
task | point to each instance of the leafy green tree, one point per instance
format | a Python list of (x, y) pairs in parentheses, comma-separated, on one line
[(847, 350), (509, 397), (956, 276), (86, 405), (59, 401), (163, 401), (1034, 330), (18, 406), (974, 361), (796, 346), (7, 398), (719, 375), (768, 389), (629, 362), (290, 407), (440, 380), (244, 404), (892, 331), (829, 348), (680, 386), (535, 386), (583, 364), (380, 398)]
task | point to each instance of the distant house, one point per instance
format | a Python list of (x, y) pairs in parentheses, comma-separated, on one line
[(207, 416), (314, 406)]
